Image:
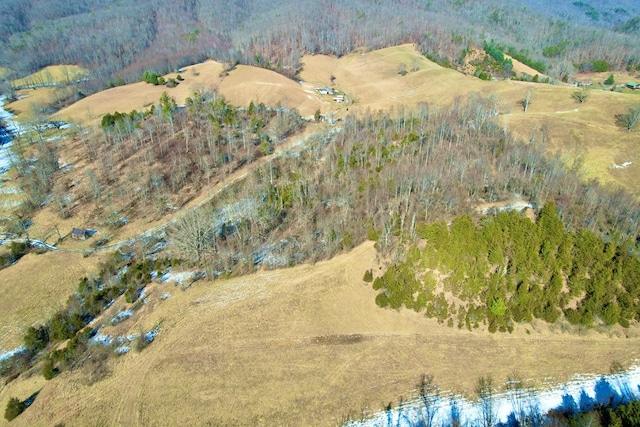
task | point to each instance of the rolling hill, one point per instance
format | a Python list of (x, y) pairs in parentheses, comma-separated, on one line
[(308, 345)]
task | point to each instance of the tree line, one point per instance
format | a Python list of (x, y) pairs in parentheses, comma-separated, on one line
[(613, 406)]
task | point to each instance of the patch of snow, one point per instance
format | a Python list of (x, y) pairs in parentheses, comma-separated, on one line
[(123, 349), (151, 335), (517, 206), (165, 296), (125, 338), (4, 189), (622, 166), (581, 393), (157, 247), (123, 315), (9, 354), (181, 277), (102, 339), (10, 204)]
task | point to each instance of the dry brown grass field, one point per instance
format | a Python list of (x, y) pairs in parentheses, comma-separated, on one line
[(35, 287), (29, 100), (302, 346), (52, 74), (308, 345)]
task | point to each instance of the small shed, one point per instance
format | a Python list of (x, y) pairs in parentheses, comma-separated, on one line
[(80, 234), (633, 85)]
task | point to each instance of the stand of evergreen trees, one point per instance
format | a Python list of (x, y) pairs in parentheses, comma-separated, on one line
[(507, 269)]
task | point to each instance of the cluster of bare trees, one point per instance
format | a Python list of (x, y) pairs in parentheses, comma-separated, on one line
[(149, 163), (381, 175)]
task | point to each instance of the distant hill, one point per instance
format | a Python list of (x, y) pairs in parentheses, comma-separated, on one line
[(600, 13)]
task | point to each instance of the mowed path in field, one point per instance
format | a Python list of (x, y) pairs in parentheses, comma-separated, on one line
[(302, 346)]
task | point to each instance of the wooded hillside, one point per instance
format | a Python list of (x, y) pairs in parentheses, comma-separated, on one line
[(117, 41)]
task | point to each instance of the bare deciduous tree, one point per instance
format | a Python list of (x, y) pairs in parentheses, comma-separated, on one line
[(629, 119), (430, 395), (581, 94), (194, 234), (526, 101), (485, 391)]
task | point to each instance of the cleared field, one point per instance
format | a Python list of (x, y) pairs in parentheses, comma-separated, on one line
[(35, 287), (245, 84), (137, 96), (303, 346), (30, 101), (519, 68), (52, 74)]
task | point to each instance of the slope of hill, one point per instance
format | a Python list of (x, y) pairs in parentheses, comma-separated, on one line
[(370, 82), (36, 287), (230, 345), (299, 346)]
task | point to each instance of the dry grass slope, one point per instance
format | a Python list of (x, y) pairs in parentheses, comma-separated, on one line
[(303, 346), (35, 287), (52, 74), (308, 345)]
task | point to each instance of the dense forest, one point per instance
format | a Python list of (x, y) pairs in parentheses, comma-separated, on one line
[(116, 41)]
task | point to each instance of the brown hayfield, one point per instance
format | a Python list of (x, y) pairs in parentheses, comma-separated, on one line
[(52, 74), (521, 68), (35, 287), (246, 84), (29, 101), (138, 96), (301, 346)]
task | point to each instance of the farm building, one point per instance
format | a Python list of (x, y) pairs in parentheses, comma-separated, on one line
[(633, 86), (80, 234)]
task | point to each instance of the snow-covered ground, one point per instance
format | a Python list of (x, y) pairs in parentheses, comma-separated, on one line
[(581, 393), (5, 148), (9, 354), (181, 277)]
